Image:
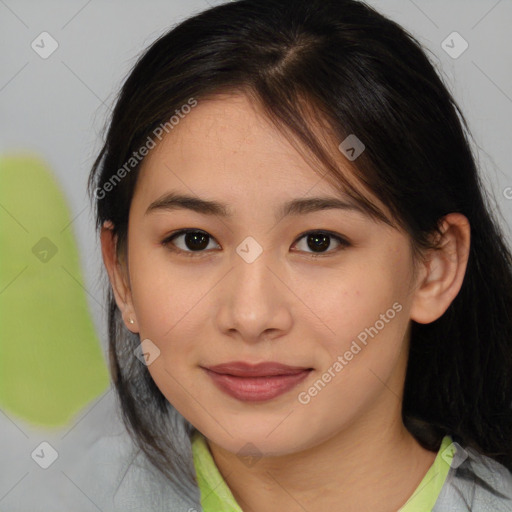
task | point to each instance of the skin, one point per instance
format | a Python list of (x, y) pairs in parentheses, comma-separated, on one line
[(285, 306)]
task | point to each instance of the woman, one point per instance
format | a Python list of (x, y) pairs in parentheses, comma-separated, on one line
[(309, 294)]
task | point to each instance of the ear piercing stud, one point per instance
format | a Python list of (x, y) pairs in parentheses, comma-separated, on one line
[(131, 321)]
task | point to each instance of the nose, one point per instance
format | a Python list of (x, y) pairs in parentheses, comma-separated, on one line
[(254, 301)]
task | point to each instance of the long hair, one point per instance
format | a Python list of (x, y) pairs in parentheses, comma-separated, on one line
[(341, 65)]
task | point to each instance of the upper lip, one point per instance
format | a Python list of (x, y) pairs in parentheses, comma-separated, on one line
[(266, 369)]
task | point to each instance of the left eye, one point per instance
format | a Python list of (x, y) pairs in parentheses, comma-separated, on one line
[(194, 242), (319, 241)]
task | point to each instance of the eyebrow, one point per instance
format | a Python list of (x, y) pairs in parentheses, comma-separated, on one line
[(172, 201)]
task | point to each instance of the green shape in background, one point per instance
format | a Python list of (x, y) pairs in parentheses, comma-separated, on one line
[(51, 361)]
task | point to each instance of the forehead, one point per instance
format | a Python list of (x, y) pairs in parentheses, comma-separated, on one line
[(228, 134), (227, 144)]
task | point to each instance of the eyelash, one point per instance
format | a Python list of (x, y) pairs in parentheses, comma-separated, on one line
[(167, 242)]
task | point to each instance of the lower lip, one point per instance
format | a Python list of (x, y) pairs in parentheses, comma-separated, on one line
[(256, 389)]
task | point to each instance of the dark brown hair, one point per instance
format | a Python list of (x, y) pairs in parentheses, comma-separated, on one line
[(341, 63)]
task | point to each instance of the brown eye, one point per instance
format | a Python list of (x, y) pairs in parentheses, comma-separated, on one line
[(319, 241), (189, 241), (194, 242)]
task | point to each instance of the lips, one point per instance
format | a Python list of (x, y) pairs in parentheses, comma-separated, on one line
[(267, 369), (256, 382)]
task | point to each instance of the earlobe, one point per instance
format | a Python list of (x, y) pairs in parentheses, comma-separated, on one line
[(117, 276), (443, 270)]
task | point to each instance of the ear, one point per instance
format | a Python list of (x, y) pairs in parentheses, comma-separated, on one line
[(442, 273), (118, 276)]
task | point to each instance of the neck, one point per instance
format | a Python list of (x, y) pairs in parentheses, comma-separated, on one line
[(375, 453)]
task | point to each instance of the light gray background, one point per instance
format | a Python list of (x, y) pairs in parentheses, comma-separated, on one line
[(57, 107)]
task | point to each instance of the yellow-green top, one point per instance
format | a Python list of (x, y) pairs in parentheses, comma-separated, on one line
[(217, 497)]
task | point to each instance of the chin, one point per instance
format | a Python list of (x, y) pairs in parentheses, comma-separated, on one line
[(253, 439)]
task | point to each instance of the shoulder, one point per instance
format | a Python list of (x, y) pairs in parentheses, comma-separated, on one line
[(120, 478), (475, 483), (124, 479), (97, 467)]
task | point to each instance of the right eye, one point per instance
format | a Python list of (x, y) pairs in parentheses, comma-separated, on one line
[(193, 243)]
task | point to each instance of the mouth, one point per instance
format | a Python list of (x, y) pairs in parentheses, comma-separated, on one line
[(256, 383)]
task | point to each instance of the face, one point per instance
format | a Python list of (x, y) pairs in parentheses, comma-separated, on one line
[(327, 291)]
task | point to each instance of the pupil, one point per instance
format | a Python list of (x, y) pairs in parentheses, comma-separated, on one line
[(318, 242), (196, 240)]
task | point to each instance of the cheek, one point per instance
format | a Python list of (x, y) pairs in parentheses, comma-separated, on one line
[(368, 314), (364, 298), (173, 308), (373, 321), (164, 295)]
